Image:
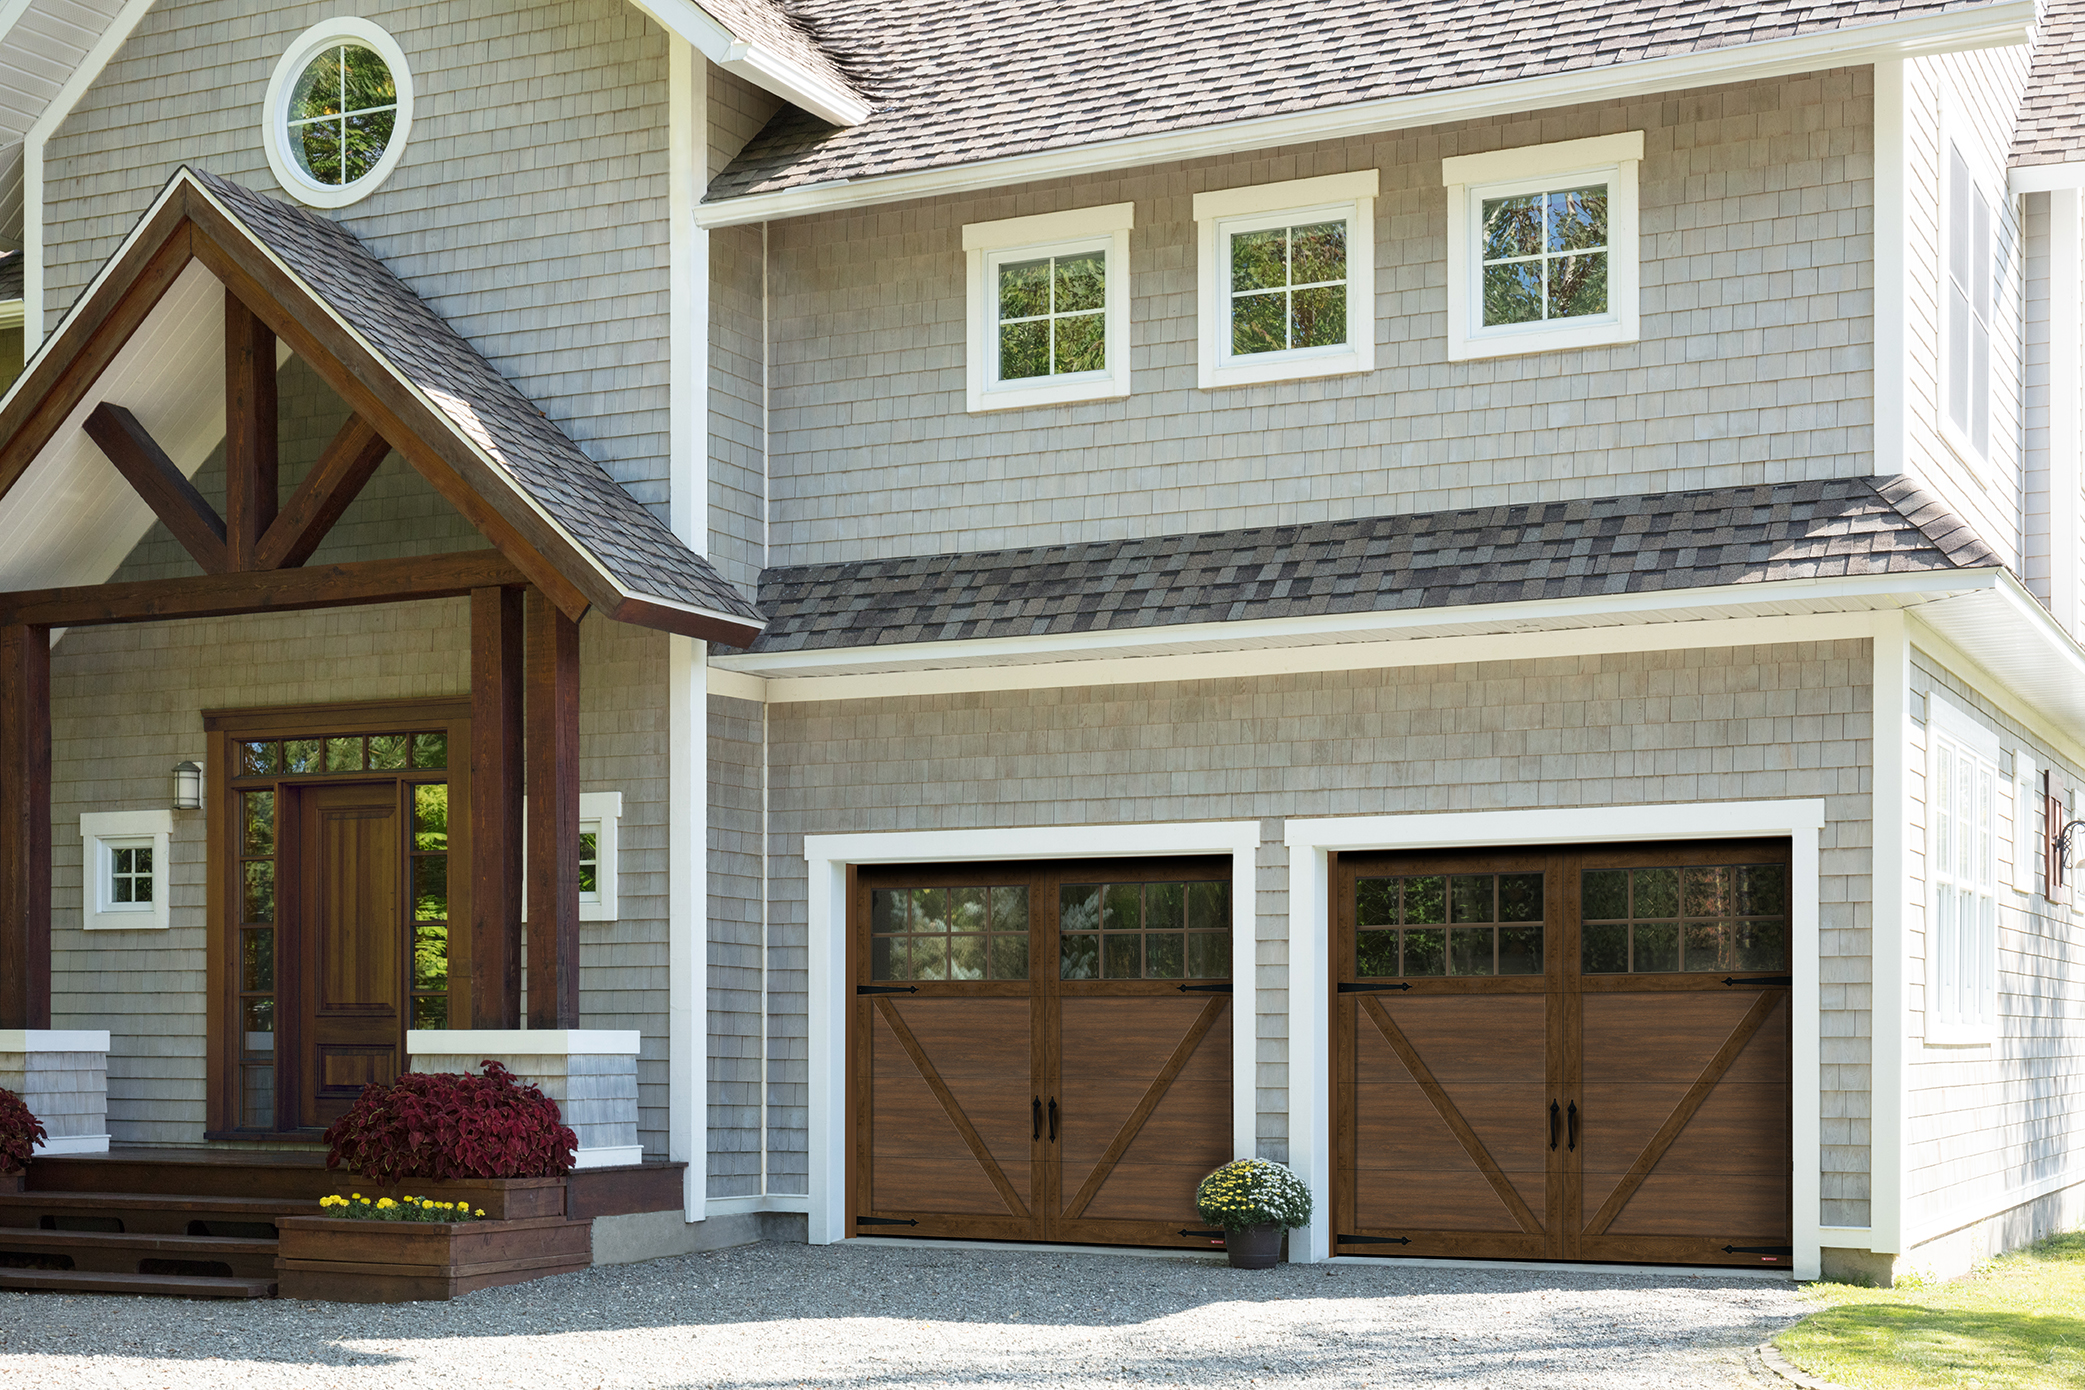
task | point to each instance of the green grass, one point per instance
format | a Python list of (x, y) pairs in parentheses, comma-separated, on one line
[(2017, 1323)]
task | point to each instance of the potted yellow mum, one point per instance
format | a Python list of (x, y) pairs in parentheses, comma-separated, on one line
[(1255, 1202)]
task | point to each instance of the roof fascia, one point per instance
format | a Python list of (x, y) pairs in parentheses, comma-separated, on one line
[(762, 66), (2045, 178), (1340, 629), (2001, 25), (1951, 632)]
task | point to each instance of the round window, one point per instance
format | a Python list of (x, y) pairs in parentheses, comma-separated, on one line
[(339, 111)]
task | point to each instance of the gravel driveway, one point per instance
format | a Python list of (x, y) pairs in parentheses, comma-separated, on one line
[(871, 1316)]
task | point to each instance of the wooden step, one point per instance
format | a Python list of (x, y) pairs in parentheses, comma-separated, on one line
[(122, 1251), (155, 1212), (186, 1173), (108, 1281)]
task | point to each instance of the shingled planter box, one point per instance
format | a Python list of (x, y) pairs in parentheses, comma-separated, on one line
[(322, 1257), (501, 1199)]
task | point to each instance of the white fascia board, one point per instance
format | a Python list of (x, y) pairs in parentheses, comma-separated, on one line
[(2030, 666), (2045, 178), (763, 67), (1990, 26), (1533, 615)]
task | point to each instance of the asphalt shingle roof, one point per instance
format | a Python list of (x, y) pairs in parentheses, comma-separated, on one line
[(589, 505), (953, 84), (2051, 128), (1543, 550), (771, 25)]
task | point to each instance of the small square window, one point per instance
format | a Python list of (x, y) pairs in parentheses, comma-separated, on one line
[(1286, 279), (124, 863), (1542, 247), (1049, 308)]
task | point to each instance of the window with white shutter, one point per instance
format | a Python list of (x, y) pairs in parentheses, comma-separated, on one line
[(1962, 792), (1966, 293)]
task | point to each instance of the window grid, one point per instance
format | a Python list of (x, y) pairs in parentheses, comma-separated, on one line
[(1144, 931), (968, 933), (130, 876), (1684, 919), (1448, 924), (337, 753), (1544, 255), (1273, 312), (1052, 316), (342, 113), (1962, 862)]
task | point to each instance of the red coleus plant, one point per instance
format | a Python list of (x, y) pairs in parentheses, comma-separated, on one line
[(445, 1125), (19, 1133)]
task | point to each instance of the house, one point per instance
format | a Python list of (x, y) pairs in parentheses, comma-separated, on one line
[(943, 620)]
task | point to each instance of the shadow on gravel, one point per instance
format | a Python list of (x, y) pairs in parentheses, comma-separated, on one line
[(1430, 1323)]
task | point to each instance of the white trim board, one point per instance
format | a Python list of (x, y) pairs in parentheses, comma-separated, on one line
[(1311, 844), (1989, 26), (828, 997)]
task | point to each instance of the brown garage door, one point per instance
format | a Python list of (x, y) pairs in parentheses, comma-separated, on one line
[(1040, 1052), (1564, 1053)]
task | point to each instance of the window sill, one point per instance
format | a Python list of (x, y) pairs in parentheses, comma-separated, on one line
[(992, 400), (1961, 1035), (1283, 367), (125, 921), (1612, 333)]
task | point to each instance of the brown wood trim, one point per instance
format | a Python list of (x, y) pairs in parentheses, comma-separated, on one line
[(252, 476), (346, 466), (1153, 1094), (166, 490), (1755, 1017), (550, 662), (25, 827), (1451, 1116), (1049, 872), (978, 1151), (344, 717), (53, 385), (664, 617), (269, 591), (427, 440), (494, 995)]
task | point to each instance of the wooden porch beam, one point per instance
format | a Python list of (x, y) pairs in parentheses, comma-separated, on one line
[(25, 826), (334, 482), (552, 664), (263, 591), (174, 499), (495, 810), (252, 481)]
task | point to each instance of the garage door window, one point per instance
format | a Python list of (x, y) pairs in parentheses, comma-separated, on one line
[(969, 933), (1144, 931), (1449, 924), (1705, 917)]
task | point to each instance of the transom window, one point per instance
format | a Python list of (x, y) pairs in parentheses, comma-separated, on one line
[(339, 109), (299, 757), (1665, 919), (1288, 287), (1053, 316), (1545, 255), (1448, 924)]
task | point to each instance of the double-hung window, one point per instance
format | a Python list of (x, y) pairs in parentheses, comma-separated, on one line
[(1286, 280), (1967, 286), (1049, 308), (1963, 791), (1542, 247)]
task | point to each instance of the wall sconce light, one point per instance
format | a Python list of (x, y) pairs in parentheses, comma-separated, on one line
[(188, 787)]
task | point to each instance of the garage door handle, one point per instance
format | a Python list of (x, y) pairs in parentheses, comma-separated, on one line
[(1053, 1119), (1037, 1116), (1571, 1125), (1553, 1111)]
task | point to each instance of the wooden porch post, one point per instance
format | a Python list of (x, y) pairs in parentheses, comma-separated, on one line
[(553, 815), (252, 486), (25, 826), (495, 810)]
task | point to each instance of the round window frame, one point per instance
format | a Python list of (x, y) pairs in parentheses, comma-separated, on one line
[(276, 135)]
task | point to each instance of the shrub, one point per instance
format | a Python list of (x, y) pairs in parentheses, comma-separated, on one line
[(1252, 1192), (450, 1125), (19, 1133), (356, 1207)]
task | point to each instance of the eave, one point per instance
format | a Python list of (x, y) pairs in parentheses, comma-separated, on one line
[(759, 64), (1991, 26)]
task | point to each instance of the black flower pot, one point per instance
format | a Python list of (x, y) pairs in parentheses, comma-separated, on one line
[(1254, 1247)]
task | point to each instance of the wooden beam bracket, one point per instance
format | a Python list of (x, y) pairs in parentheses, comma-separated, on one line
[(174, 499)]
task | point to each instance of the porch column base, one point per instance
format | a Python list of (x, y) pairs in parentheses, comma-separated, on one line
[(62, 1075), (590, 1073)]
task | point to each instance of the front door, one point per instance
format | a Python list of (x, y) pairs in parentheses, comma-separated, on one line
[(1040, 1052), (1568, 1053), (349, 853)]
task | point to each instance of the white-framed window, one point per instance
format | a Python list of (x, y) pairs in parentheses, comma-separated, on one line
[(1963, 788), (124, 864), (600, 820), (1049, 308), (1285, 280), (338, 112), (1542, 247), (1968, 285)]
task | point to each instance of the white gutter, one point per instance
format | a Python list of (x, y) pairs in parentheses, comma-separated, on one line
[(2046, 178), (763, 67), (1990, 26)]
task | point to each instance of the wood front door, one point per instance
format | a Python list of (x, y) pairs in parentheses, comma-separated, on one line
[(1040, 1052), (1575, 1054), (349, 854)]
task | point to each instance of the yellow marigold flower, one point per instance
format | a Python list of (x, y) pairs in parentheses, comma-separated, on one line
[(481, 1211)]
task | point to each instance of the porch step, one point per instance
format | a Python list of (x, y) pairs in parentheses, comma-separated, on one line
[(186, 1174), (109, 1281), (138, 1252), (166, 1213)]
